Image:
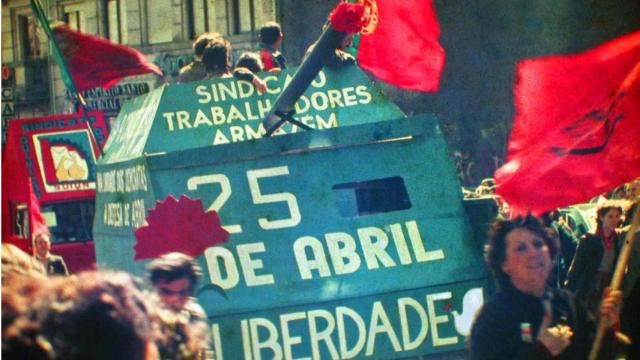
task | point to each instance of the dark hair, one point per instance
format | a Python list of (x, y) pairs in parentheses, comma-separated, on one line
[(216, 56), (605, 207), (173, 266), (93, 315), (496, 248), (201, 42), (270, 32), (251, 61)]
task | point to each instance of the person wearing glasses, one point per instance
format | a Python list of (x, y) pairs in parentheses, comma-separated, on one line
[(182, 323)]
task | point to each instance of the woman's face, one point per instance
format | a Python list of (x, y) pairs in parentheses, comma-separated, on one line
[(527, 262), (611, 219)]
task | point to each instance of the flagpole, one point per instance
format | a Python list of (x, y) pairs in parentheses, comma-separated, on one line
[(621, 265), (38, 11)]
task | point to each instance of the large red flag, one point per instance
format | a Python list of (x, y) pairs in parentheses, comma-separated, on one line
[(97, 62), (576, 130), (404, 48)]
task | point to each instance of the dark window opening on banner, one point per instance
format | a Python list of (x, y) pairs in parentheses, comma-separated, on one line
[(371, 197)]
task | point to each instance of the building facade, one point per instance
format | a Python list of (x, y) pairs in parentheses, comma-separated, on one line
[(161, 29)]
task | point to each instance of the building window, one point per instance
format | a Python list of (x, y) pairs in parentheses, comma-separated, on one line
[(74, 16), (19, 215), (30, 38), (160, 21), (70, 221), (249, 15), (116, 20), (228, 17)]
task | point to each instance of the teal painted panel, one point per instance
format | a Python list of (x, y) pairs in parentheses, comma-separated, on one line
[(131, 129), (387, 326), (222, 111), (124, 195), (346, 217), (282, 211)]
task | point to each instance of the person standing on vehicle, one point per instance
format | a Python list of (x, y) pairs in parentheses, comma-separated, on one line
[(196, 70), (53, 264), (270, 41)]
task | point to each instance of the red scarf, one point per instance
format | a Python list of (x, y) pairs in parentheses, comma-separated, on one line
[(608, 241)]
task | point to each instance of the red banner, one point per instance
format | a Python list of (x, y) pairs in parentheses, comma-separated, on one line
[(58, 153), (97, 62), (404, 49), (576, 131)]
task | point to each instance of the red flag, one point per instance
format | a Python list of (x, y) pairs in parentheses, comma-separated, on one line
[(576, 130), (37, 224), (404, 49), (97, 62)]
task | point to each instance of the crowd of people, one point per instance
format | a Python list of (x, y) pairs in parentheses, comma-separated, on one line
[(212, 58), (553, 286), (102, 314), (552, 283)]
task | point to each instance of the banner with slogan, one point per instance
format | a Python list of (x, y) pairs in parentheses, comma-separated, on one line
[(61, 152), (351, 241), (223, 111)]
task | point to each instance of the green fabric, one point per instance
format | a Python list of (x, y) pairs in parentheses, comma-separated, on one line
[(57, 54)]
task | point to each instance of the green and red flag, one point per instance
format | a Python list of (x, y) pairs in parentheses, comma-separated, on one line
[(576, 132), (89, 61)]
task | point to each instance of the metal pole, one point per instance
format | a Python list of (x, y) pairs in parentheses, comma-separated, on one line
[(283, 108)]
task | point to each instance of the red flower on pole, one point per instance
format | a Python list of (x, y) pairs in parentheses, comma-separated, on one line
[(178, 225), (347, 17)]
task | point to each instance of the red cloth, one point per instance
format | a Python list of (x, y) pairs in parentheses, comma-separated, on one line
[(97, 62), (267, 59), (404, 50), (37, 225), (576, 130), (14, 186)]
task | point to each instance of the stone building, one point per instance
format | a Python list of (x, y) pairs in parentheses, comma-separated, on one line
[(161, 29)]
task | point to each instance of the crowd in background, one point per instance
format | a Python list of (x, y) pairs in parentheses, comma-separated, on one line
[(553, 276)]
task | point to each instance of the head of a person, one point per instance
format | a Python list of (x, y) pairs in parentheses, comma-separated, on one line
[(201, 42), (93, 315), (174, 277), (16, 261), (609, 214), (519, 253), (217, 56), (271, 34), (633, 190), (250, 60), (42, 244)]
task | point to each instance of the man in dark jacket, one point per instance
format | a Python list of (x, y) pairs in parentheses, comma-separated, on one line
[(53, 264)]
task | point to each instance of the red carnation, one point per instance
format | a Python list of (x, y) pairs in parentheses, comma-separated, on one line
[(347, 17), (178, 225)]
